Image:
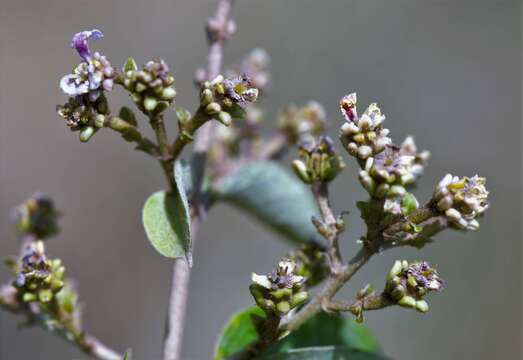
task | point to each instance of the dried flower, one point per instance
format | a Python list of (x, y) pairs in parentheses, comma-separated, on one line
[(227, 98), (281, 290), (38, 278), (462, 200), (363, 136), (319, 161), (407, 284)]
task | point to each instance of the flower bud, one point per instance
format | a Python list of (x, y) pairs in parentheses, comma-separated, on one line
[(461, 200)]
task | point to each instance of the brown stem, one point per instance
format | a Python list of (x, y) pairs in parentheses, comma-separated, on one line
[(166, 159), (371, 302), (331, 287), (217, 34), (328, 227)]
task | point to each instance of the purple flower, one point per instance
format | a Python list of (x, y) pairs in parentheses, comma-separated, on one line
[(79, 42), (93, 74)]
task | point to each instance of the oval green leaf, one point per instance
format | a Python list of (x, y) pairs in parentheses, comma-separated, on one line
[(274, 196), (238, 333), (323, 353), (166, 220), (330, 330)]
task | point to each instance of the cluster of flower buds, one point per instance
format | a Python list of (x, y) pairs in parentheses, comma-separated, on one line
[(38, 279), (226, 98), (363, 136), (37, 217), (256, 67), (461, 200), (407, 284), (319, 161), (302, 123), (311, 263), (280, 291), (83, 115), (152, 87), (94, 74), (388, 174)]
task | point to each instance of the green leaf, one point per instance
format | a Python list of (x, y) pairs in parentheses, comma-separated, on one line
[(330, 330), (238, 333), (128, 115), (274, 196), (324, 353), (130, 65), (182, 114), (409, 203), (167, 221)]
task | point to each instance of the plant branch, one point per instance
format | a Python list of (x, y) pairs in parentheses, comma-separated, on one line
[(329, 227), (66, 330), (371, 302), (217, 33), (132, 134)]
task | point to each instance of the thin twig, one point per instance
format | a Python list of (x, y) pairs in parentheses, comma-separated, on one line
[(85, 342), (217, 32)]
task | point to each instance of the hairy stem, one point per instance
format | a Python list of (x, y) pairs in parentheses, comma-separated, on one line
[(181, 272)]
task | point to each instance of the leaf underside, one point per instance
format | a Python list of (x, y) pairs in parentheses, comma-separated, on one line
[(274, 196), (166, 220)]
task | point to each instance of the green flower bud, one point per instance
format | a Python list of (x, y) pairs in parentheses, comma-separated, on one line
[(225, 118), (283, 307), (407, 301), (213, 108), (150, 103), (422, 306), (87, 133)]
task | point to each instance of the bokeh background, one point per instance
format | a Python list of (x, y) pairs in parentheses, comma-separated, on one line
[(447, 71)]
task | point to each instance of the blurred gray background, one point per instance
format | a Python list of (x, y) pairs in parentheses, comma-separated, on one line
[(447, 71)]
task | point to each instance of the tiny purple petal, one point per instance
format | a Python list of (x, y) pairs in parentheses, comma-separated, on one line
[(79, 42)]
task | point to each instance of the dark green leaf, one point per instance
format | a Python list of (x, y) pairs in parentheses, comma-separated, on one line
[(323, 353), (238, 333), (167, 221), (330, 330), (275, 196), (128, 115)]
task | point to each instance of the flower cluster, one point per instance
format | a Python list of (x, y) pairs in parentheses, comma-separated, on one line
[(281, 290), (38, 278), (319, 161), (226, 98), (302, 123), (152, 87), (93, 74), (83, 115), (389, 173), (407, 284), (462, 200), (363, 136), (37, 217)]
